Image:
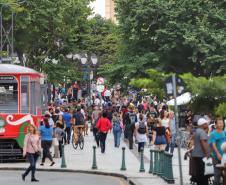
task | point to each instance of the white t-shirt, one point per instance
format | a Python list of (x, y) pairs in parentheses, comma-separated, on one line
[(141, 137), (97, 101), (107, 93), (165, 122)]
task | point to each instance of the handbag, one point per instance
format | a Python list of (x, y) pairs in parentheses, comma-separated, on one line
[(98, 133), (209, 170), (168, 140), (91, 128), (37, 154), (55, 142)]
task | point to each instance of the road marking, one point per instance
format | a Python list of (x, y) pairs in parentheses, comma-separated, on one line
[(117, 179)]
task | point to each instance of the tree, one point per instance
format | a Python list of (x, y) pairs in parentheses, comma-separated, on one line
[(207, 94), (41, 24), (171, 36)]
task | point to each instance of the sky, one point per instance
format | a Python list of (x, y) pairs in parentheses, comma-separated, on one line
[(99, 7)]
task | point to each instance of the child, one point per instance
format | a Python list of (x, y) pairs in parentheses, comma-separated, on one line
[(58, 131), (223, 159)]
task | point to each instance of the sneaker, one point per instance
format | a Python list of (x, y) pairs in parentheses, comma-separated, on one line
[(34, 180), (23, 177)]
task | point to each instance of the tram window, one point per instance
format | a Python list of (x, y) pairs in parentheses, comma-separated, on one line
[(8, 94), (24, 94)]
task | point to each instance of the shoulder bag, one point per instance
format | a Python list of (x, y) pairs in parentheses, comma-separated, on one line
[(168, 140), (37, 153)]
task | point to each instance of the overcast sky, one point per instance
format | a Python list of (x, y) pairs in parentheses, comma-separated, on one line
[(99, 7)]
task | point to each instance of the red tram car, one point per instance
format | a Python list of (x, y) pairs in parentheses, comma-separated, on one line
[(23, 101)]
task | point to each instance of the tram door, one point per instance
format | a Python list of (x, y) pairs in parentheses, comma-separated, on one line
[(44, 98)]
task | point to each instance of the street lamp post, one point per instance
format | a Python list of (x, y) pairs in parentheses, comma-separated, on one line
[(94, 60)]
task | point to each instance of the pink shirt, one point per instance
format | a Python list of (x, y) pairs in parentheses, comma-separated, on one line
[(29, 141), (145, 106)]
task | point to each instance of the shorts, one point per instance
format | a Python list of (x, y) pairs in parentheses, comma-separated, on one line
[(160, 140)]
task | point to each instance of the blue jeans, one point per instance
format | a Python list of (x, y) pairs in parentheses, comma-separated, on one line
[(68, 131), (140, 145), (33, 159), (117, 134), (172, 144), (103, 137)]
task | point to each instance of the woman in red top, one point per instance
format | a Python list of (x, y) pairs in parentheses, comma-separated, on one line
[(104, 125), (31, 146)]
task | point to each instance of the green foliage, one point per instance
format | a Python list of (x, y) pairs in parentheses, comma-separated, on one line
[(172, 36), (39, 24), (220, 110), (207, 93)]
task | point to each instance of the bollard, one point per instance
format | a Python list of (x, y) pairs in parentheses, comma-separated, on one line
[(156, 162), (94, 166), (164, 172), (170, 172), (158, 165), (151, 162), (123, 167), (63, 164), (161, 167), (142, 160)]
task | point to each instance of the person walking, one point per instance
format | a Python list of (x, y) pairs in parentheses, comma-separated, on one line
[(46, 133), (117, 128), (104, 125), (141, 133), (31, 147), (129, 121), (166, 123), (67, 118), (200, 151), (95, 130), (58, 131), (217, 137), (158, 137), (62, 125), (173, 127)]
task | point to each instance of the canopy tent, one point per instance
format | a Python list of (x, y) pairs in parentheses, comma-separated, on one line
[(181, 100)]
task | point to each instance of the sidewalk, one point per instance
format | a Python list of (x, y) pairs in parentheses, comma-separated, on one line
[(110, 162)]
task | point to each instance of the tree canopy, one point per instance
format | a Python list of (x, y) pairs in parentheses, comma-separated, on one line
[(171, 36), (53, 29)]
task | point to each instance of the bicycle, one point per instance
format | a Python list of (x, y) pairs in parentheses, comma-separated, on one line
[(80, 141)]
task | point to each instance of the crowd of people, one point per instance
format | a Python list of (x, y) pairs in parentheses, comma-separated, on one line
[(134, 117)]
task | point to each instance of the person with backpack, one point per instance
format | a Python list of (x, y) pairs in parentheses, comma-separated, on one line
[(109, 111), (117, 128), (129, 121), (141, 133), (61, 133)]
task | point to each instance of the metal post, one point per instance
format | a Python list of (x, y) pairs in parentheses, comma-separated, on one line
[(94, 166), (170, 174), (160, 163), (123, 167), (156, 162), (177, 126), (63, 163), (142, 160), (88, 88), (151, 162)]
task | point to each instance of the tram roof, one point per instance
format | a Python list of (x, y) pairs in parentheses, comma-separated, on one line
[(11, 68)]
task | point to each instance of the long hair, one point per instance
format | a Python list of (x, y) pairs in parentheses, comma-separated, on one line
[(64, 123), (158, 121), (99, 115), (162, 113), (46, 122), (34, 127), (115, 117)]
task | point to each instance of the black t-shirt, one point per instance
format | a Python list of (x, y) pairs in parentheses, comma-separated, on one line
[(79, 118), (160, 131), (75, 91), (55, 117), (152, 115), (61, 125)]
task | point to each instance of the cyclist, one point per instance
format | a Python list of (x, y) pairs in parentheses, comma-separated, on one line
[(78, 124)]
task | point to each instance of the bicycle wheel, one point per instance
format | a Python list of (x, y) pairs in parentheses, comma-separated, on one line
[(75, 146), (81, 143)]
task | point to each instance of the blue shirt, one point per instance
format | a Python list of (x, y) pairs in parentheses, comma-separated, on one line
[(67, 118), (173, 125), (218, 139), (46, 133)]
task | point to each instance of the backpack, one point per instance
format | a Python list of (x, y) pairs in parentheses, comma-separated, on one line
[(109, 113), (142, 128), (132, 117), (116, 124), (140, 108)]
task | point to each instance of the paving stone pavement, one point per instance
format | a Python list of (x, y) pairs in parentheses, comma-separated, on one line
[(110, 162)]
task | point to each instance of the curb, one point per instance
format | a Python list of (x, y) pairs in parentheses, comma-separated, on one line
[(131, 181)]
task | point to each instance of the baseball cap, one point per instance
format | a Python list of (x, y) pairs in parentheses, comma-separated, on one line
[(202, 121)]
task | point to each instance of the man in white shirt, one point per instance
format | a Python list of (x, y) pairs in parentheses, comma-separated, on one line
[(96, 100), (107, 95)]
